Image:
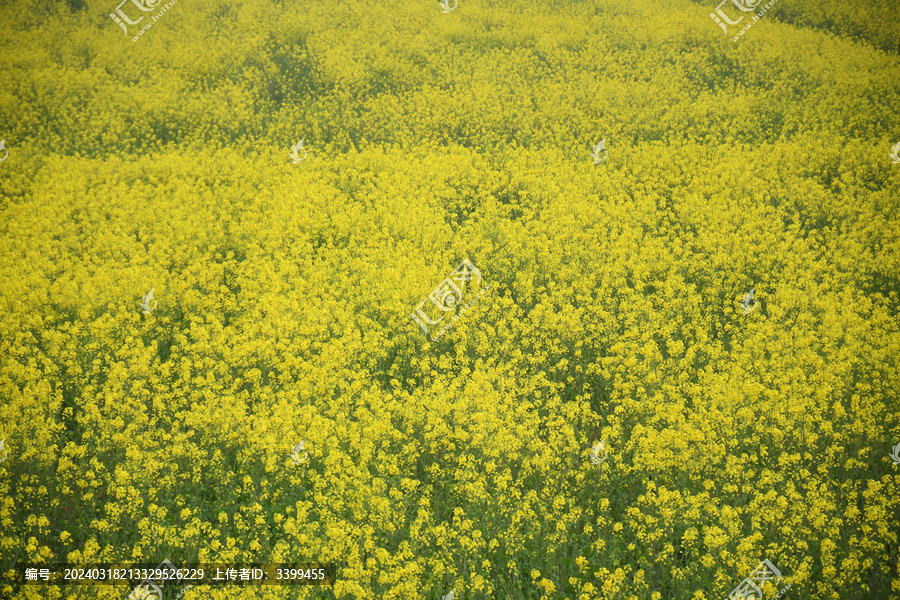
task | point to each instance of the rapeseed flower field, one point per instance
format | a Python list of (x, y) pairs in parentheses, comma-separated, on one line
[(488, 332)]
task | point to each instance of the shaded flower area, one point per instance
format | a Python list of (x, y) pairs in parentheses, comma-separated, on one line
[(211, 243)]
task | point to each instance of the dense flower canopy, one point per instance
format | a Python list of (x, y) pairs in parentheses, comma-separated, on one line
[(601, 418)]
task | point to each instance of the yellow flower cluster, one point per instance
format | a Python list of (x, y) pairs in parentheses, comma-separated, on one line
[(278, 404)]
